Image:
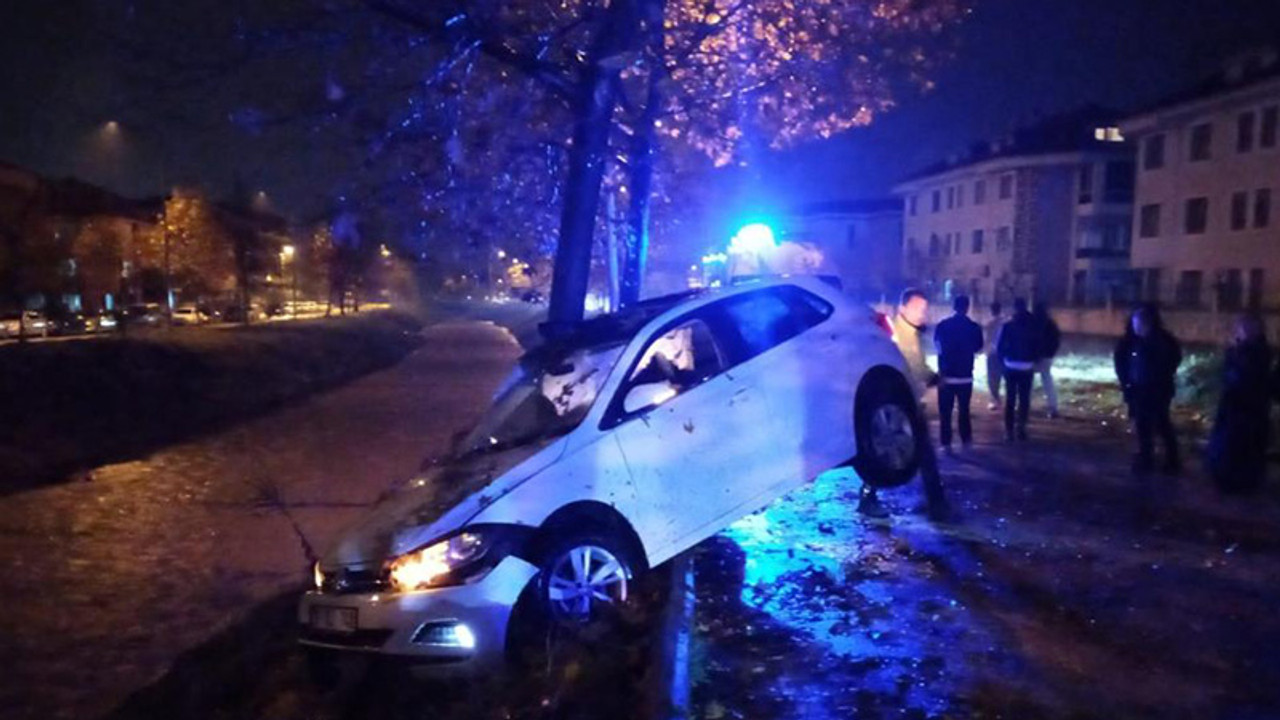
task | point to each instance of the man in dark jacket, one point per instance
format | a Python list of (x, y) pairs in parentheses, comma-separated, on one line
[(1019, 349), (1147, 360), (958, 339), (1050, 340)]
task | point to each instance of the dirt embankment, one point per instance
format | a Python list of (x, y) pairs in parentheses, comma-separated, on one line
[(68, 406)]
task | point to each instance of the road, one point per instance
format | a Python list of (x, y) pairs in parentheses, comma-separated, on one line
[(106, 581)]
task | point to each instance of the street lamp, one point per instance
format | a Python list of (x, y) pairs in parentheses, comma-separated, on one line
[(286, 256)]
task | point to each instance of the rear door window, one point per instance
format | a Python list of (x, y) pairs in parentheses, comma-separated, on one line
[(766, 318)]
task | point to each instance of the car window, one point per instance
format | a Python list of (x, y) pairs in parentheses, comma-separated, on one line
[(767, 318), (675, 361)]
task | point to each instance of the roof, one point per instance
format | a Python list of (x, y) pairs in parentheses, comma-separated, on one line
[(1246, 70), (1071, 131), (866, 206)]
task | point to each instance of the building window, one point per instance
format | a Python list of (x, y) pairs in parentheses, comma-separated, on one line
[(1187, 292), (1230, 289), (933, 245), (1006, 186), (937, 200), (946, 244), (1267, 137), (977, 241), (951, 197), (911, 204), (1004, 239), (1196, 218), (1256, 278), (1149, 221), (979, 192), (1262, 208), (1108, 134), (1153, 153), (960, 195), (1239, 210), (1086, 184), (1118, 182), (1201, 142), (1244, 132)]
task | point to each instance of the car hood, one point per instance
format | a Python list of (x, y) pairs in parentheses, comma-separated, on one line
[(438, 501)]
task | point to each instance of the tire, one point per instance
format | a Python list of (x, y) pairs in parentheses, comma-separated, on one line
[(886, 419), (540, 631)]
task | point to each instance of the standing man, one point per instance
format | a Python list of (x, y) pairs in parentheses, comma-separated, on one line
[(958, 339), (1147, 360), (1019, 350), (1050, 341), (994, 370), (908, 327)]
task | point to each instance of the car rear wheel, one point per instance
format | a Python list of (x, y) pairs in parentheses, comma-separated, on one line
[(887, 422)]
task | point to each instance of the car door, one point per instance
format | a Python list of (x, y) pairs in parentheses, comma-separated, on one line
[(690, 435), (797, 374)]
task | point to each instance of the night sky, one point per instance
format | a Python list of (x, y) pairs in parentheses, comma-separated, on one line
[(1016, 59)]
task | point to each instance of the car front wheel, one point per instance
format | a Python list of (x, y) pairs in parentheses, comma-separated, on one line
[(887, 422)]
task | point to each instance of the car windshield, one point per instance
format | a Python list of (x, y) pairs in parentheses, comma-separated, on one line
[(542, 398)]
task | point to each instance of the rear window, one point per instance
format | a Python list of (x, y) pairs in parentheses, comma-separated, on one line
[(766, 318)]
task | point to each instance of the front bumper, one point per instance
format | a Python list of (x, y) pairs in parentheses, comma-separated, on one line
[(392, 623)]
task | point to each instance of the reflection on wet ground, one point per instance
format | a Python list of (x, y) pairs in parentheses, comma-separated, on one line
[(1066, 589)]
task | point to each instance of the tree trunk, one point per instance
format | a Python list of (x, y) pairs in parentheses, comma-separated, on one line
[(581, 198), (593, 114), (641, 156), (611, 253)]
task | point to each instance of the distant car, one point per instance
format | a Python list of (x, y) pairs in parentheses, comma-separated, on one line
[(73, 324), (32, 323), (189, 315), (145, 314), (534, 297), (236, 314), (622, 442), (105, 321)]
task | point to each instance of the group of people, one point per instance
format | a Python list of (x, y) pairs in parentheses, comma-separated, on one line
[(1146, 361), (1017, 351)]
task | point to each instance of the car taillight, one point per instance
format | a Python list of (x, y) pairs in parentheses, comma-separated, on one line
[(882, 321)]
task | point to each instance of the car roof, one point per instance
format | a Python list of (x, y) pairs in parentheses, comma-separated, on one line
[(614, 328)]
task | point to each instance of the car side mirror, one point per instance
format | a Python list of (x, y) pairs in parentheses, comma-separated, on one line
[(642, 397)]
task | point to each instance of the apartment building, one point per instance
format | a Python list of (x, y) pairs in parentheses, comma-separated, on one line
[(1043, 213), (860, 241), (1206, 232)]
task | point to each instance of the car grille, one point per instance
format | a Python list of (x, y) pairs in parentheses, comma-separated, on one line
[(351, 582), (358, 640)]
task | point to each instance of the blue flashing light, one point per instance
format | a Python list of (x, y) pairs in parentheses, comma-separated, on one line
[(753, 238)]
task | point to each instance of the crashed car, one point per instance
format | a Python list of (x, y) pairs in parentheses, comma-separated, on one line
[(621, 442)]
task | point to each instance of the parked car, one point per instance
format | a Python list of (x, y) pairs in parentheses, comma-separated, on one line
[(534, 297), (106, 321), (73, 323), (236, 313), (620, 443), (146, 314), (189, 315), (32, 323)]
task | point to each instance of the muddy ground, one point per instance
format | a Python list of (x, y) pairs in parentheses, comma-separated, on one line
[(1065, 589)]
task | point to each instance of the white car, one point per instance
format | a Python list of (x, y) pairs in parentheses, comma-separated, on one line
[(609, 450), (33, 323), (189, 315)]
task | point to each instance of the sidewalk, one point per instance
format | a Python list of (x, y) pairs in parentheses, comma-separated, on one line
[(1067, 589), (106, 582)]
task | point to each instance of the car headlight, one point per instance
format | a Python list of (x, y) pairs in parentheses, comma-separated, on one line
[(446, 562)]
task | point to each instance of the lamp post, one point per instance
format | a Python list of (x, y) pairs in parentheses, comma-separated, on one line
[(286, 256)]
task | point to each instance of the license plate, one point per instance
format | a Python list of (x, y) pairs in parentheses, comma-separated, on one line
[(333, 619)]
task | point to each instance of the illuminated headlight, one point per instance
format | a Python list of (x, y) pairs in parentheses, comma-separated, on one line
[(440, 563)]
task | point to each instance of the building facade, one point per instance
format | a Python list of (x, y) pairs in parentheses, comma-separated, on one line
[(1042, 214), (1206, 234), (859, 241)]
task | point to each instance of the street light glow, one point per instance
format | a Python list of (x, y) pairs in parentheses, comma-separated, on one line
[(286, 252)]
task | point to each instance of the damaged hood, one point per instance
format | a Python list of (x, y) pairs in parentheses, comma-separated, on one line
[(438, 501)]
